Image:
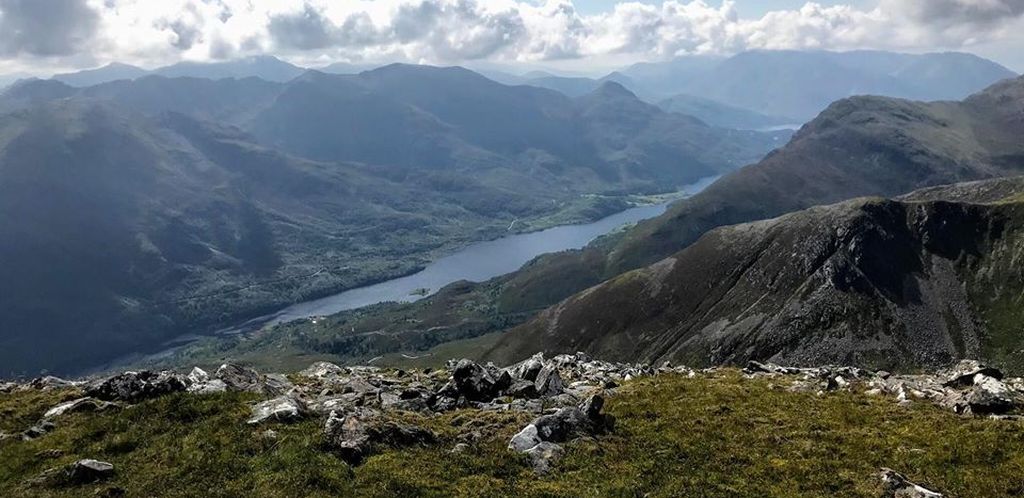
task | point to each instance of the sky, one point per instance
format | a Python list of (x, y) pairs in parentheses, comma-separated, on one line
[(46, 36)]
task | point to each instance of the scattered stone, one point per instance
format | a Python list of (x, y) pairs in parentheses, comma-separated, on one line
[(460, 448), (137, 386), (990, 396), (198, 376), (549, 382), (473, 381), (88, 471), (79, 405), (544, 456), (525, 439), (243, 379), (211, 386), (962, 375), (539, 437), (323, 370), (51, 382), (285, 409), (896, 485), (42, 428), (354, 438), (50, 454)]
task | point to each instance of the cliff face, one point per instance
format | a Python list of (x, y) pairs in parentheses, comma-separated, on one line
[(895, 284)]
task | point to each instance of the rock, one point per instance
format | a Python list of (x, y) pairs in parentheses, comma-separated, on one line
[(525, 439), (592, 406), (322, 370), (239, 378), (896, 485), (991, 396), (50, 454), (353, 438), (281, 409), (198, 376), (962, 375), (37, 431), (51, 382), (78, 405), (209, 387), (529, 369), (137, 386), (473, 381), (410, 400), (522, 389), (88, 471), (460, 448), (549, 382), (543, 456)]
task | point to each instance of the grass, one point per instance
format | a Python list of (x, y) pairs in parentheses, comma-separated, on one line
[(721, 436)]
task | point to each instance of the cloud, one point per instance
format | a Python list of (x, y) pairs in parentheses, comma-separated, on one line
[(46, 27), (977, 12), (455, 31), (305, 30)]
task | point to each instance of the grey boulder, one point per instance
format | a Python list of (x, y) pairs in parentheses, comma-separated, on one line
[(281, 409), (896, 485)]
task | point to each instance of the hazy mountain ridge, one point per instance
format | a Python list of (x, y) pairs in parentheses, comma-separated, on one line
[(802, 84)]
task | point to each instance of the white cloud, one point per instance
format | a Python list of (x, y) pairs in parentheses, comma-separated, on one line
[(452, 31)]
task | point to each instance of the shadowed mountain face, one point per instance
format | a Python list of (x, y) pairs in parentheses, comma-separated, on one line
[(139, 210), (904, 284)]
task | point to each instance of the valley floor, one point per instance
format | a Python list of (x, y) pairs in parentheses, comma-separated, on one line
[(713, 434)]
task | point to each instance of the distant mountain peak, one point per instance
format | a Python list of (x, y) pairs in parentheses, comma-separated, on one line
[(614, 89)]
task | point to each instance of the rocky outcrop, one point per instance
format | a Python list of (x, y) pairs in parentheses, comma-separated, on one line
[(285, 409), (85, 471), (539, 439), (968, 388), (355, 437), (137, 386), (79, 405)]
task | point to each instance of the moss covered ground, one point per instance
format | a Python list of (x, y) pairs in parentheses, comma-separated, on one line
[(719, 435)]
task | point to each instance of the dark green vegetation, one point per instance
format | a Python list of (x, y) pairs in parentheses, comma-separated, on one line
[(859, 147), (886, 284), (718, 435), (136, 211)]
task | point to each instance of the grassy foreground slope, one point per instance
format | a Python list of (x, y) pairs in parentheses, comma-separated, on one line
[(712, 435)]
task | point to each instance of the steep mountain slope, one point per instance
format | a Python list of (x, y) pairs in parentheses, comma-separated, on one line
[(802, 84), (891, 284)]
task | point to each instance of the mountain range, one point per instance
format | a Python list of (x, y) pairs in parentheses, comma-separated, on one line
[(896, 283), (801, 84), (861, 146), (144, 209)]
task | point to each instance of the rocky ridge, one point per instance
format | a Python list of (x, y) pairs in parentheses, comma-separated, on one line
[(565, 394)]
